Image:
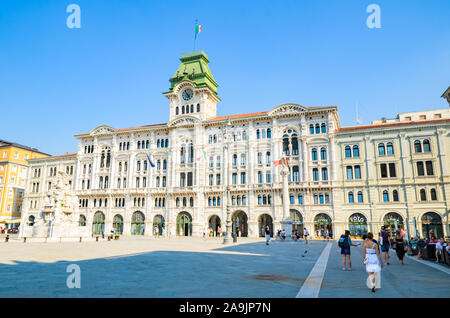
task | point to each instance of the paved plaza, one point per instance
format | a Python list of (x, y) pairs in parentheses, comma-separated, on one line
[(196, 267)]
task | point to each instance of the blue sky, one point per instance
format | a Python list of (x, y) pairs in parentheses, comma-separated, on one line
[(56, 82)]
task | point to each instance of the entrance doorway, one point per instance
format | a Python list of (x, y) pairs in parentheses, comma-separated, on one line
[(239, 223), (392, 222), (137, 223), (357, 225), (118, 223), (98, 224), (158, 224), (432, 225), (184, 224), (322, 226), (214, 226), (263, 221), (297, 221)]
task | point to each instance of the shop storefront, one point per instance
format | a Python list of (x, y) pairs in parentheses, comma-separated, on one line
[(357, 224), (322, 226)]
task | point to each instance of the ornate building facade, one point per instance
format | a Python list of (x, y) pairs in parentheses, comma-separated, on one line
[(180, 178)]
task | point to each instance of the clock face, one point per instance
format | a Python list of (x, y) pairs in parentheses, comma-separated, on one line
[(187, 94)]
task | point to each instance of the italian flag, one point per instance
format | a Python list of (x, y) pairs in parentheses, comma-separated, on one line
[(198, 29)]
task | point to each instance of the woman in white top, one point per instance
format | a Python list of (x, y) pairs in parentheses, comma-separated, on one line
[(373, 262)]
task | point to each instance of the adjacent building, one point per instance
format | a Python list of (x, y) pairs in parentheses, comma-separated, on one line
[(13, 176), (182, 177)]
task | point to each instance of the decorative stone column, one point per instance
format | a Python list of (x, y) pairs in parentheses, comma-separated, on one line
[(286, 222)]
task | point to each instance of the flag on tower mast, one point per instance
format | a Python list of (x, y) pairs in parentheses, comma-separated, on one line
[(198, 29)]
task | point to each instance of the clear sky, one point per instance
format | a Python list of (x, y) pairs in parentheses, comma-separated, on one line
[(56, 82)]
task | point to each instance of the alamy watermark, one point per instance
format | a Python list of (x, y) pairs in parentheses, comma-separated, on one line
[(374, 19), (74, 19), (74, 279)]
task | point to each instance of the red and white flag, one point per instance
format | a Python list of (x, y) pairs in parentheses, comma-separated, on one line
[(276, 162)]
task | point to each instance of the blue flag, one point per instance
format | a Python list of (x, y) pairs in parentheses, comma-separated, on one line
[(151, 163)]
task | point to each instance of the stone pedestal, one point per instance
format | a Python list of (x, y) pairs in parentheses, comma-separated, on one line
[(286, 225)]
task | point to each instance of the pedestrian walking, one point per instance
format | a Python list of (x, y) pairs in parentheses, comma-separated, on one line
[(306, 234), (400, 246), (267, 235), (374, 263), (345, 243), (385, 242), (283, 234)]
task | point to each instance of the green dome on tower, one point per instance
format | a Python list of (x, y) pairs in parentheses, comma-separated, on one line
[(194, 68)]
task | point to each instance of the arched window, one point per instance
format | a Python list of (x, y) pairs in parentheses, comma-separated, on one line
[(234, 159), (317, 129), (182, 109), (184, 202), (323, 154), (426, 146), (311, 129), (164, 164), (177, 202), (321, 198), (315, 174), (395, 195), (350, 197), (423, 195), (324, 128), (348, 152), (158, 143), (294, 142), (300, 198), (244, 200), (177, 110), (257, 134), (324, 174), (417, 146), (269, 133), (390, 148), (198, 108), (291, 198), (381, 150), (360, 197), (314, 154), (286, 145), (433, 194), (385, 196), (355, 151), (316, 198), (191, 201)]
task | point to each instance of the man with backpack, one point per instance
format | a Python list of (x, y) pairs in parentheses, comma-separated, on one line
[(345, 243)]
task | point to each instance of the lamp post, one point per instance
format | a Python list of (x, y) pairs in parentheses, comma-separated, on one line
[(226, 239)]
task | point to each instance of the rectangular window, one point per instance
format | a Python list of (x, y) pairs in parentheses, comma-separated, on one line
[(190, 179), (349, 173), (217, 179), (383, 168), (357, 172), (268, 177), (429, 166), (392, 172), (420, 169), (234, 179), (260, 178), (242, 177)]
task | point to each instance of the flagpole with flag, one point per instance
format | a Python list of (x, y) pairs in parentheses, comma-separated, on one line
[(151, 163), (198, 29)]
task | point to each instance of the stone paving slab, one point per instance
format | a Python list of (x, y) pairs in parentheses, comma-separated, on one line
[(159, 268), (397, 281)]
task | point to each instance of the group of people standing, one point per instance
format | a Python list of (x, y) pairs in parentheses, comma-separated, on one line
[(372, 251)]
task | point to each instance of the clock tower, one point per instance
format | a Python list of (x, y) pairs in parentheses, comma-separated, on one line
[(193, 90)]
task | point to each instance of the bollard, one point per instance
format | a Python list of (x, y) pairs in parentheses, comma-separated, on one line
[(80, 239), (7, 238), (24, 239), (96, 238), (109, 238), (103, 235)]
